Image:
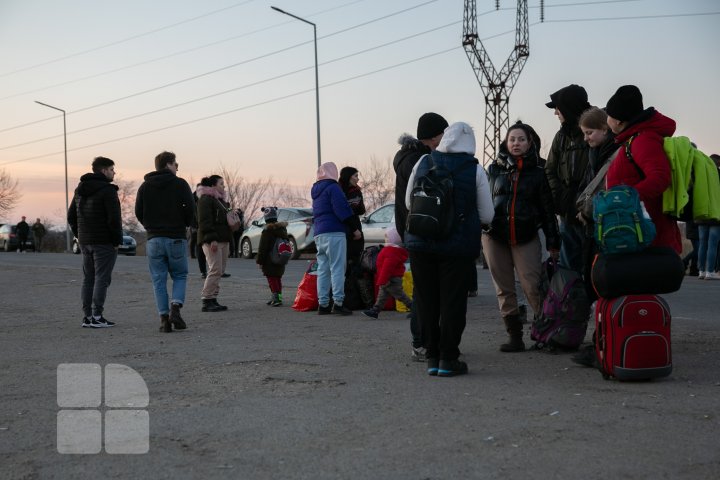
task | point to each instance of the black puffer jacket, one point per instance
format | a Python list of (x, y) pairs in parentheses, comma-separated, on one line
[(522, 199), (94, 215), (269, 235), (165, 205), (411, 150)]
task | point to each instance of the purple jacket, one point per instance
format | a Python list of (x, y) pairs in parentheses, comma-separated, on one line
[(331, 209)]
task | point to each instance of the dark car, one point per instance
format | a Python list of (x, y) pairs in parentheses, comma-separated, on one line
[(300, 232), (127, 247), (9, 239)]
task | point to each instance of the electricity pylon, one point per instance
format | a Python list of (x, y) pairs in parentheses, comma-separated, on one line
[(496, 86)]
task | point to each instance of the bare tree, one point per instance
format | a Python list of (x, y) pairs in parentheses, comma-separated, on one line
[(9, 193), (126, 194), (378, 183), (249, 196)]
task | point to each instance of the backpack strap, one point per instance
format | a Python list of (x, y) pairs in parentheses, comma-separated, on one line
[(628, 154)]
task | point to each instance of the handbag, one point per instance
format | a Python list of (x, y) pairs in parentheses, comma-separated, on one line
[(233, 219)]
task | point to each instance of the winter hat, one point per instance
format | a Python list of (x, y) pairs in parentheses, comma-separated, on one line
[(327, 171), (270, 214), (571, 101), (392, 236), (626, 104), (458, 138), (430, 125)]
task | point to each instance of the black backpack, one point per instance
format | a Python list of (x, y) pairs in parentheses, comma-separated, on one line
[(368, 258), (432, 210)]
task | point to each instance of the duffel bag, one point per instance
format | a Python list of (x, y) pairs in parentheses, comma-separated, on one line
[(652, 271)]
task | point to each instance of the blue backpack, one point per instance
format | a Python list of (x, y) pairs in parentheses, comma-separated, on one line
[(620, 223)]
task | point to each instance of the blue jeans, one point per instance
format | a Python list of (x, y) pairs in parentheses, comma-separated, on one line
[(571, 236), (98, 264), (168, 255), (331, 258), (707, 254)]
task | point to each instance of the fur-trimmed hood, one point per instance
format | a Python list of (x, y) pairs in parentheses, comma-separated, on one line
[(275, 225)]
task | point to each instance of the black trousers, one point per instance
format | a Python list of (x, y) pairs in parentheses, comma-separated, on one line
[(441, 286)]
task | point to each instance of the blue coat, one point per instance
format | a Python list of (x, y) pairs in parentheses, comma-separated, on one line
[(465, 237), (330, 207)]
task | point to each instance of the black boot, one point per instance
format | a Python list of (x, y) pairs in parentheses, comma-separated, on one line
[(211, 305), (165, 326), (514, 327), (175, 317)]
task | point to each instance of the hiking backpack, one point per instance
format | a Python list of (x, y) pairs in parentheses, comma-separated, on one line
[(281, 251), (620, 222), (368, 258), (432, 210), (678, 203), (565, 314)]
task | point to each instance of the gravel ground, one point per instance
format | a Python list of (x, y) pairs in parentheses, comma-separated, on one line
[(264, 393)]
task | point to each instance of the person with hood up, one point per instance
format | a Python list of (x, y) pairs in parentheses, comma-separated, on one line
[(522, 202), (566, 170), (390, 270), (214, 235), (94, 218), (164, 205), (332, 219), (430, 129), (440, 267), (272, 271), (643, 131)]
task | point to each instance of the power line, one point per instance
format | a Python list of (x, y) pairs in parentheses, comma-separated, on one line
[(641, 17), (174, 54), (124, 40), (242, 87), (227, 67), (235, 110)]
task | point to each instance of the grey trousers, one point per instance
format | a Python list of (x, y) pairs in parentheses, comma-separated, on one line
[(394, 289), (98, 264)]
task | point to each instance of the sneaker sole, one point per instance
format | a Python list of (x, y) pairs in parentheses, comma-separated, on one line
[(370, 316), (449, 373)]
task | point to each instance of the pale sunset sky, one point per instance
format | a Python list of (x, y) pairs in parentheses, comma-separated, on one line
[(232, 82)]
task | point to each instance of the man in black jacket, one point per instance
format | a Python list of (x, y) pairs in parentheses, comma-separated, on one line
[(430, 130), (22, 229), (94, 218), (164, 205)]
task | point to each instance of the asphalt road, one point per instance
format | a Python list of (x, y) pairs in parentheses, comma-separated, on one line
[(266, 393)]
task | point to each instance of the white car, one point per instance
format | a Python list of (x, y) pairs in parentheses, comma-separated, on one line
[(376, 223), (300, 232)]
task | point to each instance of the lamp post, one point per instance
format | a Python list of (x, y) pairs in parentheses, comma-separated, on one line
[(317, 85), (67, 225)]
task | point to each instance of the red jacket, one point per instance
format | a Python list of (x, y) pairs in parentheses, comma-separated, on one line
[(649, 156), (390, 263)]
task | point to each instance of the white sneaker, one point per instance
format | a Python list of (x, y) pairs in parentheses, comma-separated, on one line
[(712, 276), (701, 275)]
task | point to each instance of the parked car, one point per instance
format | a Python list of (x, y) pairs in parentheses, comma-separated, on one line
[(300, 232), (376, 223), (9, 240), (128, 246)]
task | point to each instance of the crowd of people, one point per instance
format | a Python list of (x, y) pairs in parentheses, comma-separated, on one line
[(512, 210)]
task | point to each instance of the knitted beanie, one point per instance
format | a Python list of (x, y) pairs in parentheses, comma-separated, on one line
[(270, 214), (430, 125), (626, 104)]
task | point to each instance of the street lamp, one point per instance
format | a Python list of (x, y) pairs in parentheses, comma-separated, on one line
[(317, 85), (67, 224)]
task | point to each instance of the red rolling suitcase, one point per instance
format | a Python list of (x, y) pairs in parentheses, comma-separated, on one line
[(633, 337)]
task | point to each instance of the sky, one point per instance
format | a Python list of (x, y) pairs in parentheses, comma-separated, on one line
[(230, 82)]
